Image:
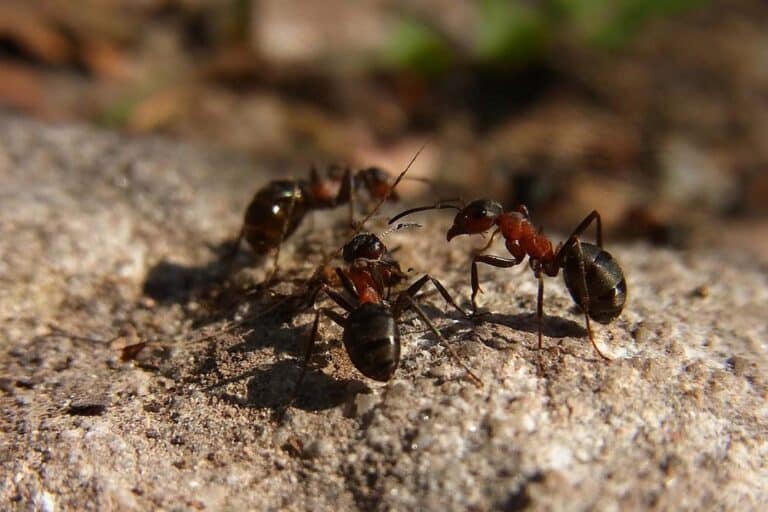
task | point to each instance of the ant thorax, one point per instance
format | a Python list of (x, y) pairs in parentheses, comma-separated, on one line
[(522, 238), (365, 285), (323, 193)]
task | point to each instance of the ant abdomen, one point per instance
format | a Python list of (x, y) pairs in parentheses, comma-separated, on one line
[(372, 340), (606, 286), (274, 214)]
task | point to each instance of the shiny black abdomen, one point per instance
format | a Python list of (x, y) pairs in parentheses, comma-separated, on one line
[(606, 286), (281, 204), (372, 341)]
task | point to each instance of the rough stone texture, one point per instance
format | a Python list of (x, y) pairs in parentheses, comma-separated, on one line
[(89, 221)]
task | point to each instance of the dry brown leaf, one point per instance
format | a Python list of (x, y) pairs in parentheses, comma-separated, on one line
[(157, 109), (21, 88), (107, 61), (33, 33)]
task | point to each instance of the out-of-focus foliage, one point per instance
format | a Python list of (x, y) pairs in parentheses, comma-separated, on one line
[(612, 23), (652, 111), (511, 32), (417, 46), (517, 32)]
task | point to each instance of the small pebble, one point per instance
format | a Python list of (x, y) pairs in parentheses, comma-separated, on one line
[(364, 403), (88, 406), (642, 334), (318, 449)]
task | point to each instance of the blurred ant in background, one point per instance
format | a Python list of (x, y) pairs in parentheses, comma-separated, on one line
[(371, 333), (277, 209), (593, 277)]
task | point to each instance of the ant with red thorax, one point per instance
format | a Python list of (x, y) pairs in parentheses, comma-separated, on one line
[(371, 333), (277, 209), (593, 277)]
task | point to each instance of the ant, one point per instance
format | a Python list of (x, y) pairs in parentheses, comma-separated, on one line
[(371, 334), (277, 209), (593, 277)]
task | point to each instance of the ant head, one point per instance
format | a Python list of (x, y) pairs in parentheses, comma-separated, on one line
[(477, 217), (364, 245), (377, 182)]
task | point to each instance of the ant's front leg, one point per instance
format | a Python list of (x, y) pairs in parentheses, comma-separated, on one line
[(490, 242), (412, 290), (494, 261)]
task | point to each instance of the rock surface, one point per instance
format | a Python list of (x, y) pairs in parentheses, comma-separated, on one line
[(107, 242)]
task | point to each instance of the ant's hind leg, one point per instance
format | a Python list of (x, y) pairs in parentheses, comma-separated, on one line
[(584, 301), (229, 256), (593, 216)]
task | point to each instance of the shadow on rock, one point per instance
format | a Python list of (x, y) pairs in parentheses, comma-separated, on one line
[(272, 388), (552, 326), (289, 340), (168, 282)]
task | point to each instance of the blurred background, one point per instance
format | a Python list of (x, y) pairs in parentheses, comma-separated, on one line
[(654, 112)]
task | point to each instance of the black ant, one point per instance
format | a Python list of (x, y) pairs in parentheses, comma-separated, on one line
[(371, 334), (593, 277), (277, 209)]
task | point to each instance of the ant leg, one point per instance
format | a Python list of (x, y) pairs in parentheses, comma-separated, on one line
[(494, 261), (490, 242), (412, 303), (346, 282), (412, 290), (339, 299), (336, 317), (229, 257), (308, 351), (540, 307), (585, 300), (378, 279), (347, 194), (310, 347), (593, 216)]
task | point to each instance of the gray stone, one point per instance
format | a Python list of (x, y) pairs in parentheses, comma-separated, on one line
[(91, 221)]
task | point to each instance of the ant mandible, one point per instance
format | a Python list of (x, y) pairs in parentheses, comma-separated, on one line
[(277, 209), (371, 333), (593, 277)]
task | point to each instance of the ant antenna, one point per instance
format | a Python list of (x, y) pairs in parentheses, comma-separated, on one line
[(370, 214), (402, 225), (389, 191), (440, 205), (427, 181)]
